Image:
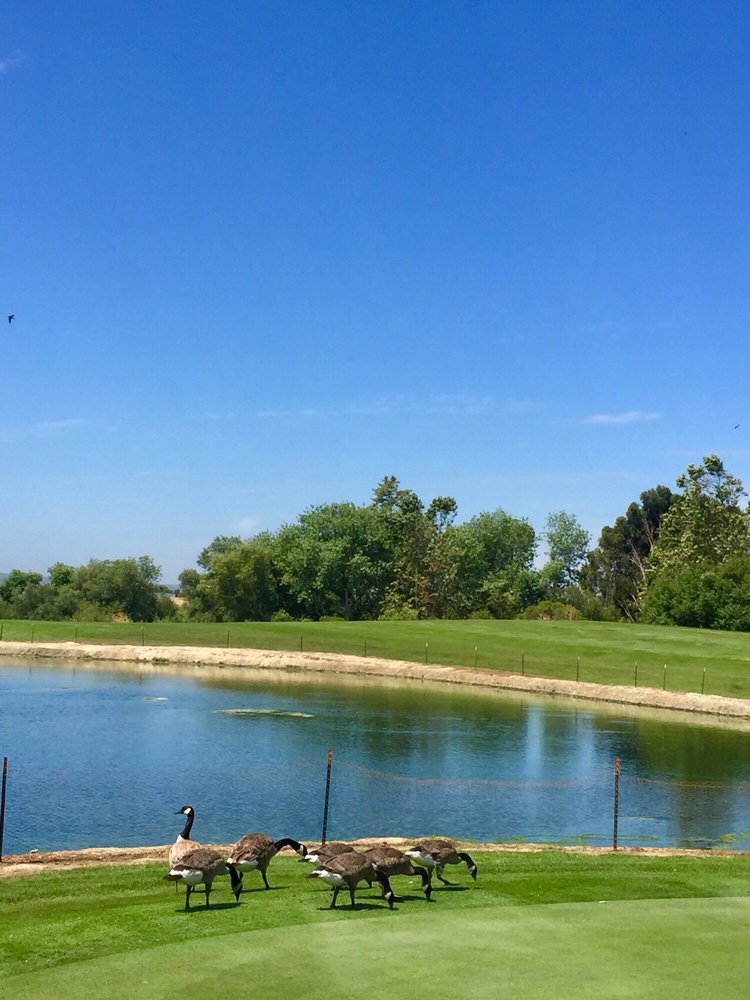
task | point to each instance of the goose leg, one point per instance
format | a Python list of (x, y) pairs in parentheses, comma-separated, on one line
[(265, 880), (439, 873), (188, 890), (333, 898)]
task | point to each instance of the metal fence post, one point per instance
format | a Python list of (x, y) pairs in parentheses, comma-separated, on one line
[(617, 803), (327, 797), (2, 804)]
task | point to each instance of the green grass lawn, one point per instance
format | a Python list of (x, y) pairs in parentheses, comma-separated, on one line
[(546, 924), (605, 653)]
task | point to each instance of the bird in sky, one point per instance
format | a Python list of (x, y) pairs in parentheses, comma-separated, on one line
[(736, 426), (11, 317)]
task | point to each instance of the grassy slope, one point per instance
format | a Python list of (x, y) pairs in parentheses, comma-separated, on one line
[(595, 651), (534, 925)]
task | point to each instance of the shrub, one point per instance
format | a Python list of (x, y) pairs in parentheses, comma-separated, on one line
[(398, 613), (282, 615), (551, 611)]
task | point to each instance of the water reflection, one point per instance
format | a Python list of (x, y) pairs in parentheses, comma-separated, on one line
[(103, 757)]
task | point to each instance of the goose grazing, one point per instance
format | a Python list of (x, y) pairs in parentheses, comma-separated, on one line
[(256, 850), (202, 865), (327, 851), (435, 852), (348, 870), (389, 861), (183, 844)]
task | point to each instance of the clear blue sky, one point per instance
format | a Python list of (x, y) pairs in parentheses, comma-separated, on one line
[(263, 254)]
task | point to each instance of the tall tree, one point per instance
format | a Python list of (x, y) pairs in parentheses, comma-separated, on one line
[(242, 583), (420, 542), (335, 561), (615, 571), (495, 564), (567, 544), (121, 586), (705, 523)]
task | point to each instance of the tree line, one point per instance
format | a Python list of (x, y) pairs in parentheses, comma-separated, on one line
[(678, 557)]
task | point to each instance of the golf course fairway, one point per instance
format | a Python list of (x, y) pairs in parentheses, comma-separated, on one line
[(633, 930)]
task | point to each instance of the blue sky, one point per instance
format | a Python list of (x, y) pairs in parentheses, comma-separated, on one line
[(263, 254)]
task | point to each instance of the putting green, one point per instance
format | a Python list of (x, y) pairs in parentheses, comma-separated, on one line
[(665, 948)]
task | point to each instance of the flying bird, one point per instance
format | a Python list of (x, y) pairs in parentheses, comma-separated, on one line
[(736, 426), (11, 317)]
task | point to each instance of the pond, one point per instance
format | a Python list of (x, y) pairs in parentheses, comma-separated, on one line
[(105, 756)]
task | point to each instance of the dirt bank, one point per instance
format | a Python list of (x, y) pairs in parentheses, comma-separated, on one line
[(37, 862), (212, 660)]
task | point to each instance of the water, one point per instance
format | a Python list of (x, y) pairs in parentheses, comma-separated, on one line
[(104, 757)]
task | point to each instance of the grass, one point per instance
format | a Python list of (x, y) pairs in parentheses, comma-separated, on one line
[(534, 925), (604, 653)]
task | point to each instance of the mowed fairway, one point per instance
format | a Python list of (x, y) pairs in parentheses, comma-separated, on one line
[(548, 924)]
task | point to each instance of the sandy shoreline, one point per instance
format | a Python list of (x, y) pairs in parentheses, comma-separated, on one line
[(38, 862), (211, 660)]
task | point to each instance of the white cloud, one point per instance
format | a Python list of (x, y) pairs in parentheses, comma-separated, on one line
[(628, 417), (248, 525), (10, 62), (43, 428), (56, 426)]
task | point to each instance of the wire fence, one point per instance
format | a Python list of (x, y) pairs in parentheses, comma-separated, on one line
[(350, 800), (651, 672)]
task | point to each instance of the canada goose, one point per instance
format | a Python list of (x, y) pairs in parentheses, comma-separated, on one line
[(183, 844), (390, 861), (327, 851), (255, 851), (435, 852), (349, 870), (203, 865)]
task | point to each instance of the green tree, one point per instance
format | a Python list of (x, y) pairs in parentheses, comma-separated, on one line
[(126, 587), (615, 571), (220, 545), (408, 532), (495, 564), (334, 561), (702, 596), (21, 594), (567, 545), (243, 581), (423, 553), (16, 583), (705, 524)]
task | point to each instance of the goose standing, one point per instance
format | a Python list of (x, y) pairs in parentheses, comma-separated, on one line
[(256, 851), (390, 861), (202, 865), (348, 870), (436, 852), (327, 851), (183, 844)]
